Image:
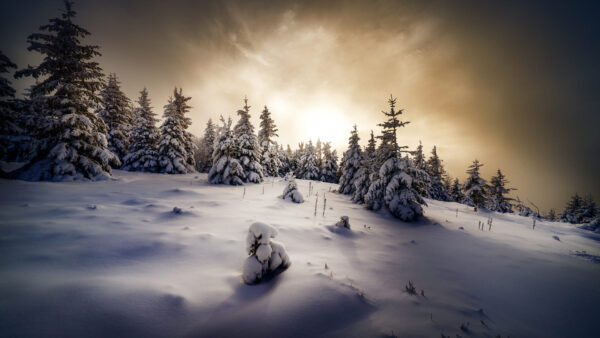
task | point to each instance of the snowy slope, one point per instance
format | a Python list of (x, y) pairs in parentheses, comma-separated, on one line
[(112, 259)]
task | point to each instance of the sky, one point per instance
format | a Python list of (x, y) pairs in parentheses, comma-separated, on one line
[(513, 84)]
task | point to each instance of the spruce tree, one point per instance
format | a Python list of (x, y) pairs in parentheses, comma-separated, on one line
[(394, 186), (143, 149), (9, 127), (205, 147), (551, 216), (365, 172), (285, 157), (267, 131), (419, 157), (329, 167), (307, 168), (176, 146), (498, 200), (456, 192), (70, 138), (116, 113), (475, 187), (580, 210), (271, 160), (435, 170), (247, 146), (226, 168), (351, 164), (319, 154)]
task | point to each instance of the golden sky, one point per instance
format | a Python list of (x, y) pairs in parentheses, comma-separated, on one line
[(505, 83)]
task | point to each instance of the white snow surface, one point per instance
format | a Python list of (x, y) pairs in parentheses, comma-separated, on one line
[(129, 266)]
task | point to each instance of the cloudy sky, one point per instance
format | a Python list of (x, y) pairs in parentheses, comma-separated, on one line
[(513, 84)]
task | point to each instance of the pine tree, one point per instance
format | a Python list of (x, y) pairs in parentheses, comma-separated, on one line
[(351, 164), (307, 168), (176, 146), (226, 168), (115, 112), (329, 168), (475, 187), (271, 159), (365, 172), (456, 192), (295, 163), (248, 147), (70, 140), (205, 146), (435, 170), (143, 150), (551, 216), (285, 157), (319, 154), (498, 200), (589, 210), (9, 128), (267, 130), (394, 184), (580, 210), (419, 158), (522, 209)]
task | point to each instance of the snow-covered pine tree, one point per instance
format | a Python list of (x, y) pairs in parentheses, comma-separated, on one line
[(298, 153), (271, 161), (114, 109), (419, 157), (498, 200), (456, 192), (589, 210), (319, 154), (307, 168), (205, 147), (330, 167), (70, 139), (9, 127), (580, 210), (143, 149), (226, 168), (436, 171), (247, 146), (284, 159), (394, 186), (352, 160), (551, 216), (522, 209), (475, 187), (365, 172), (176, 145)]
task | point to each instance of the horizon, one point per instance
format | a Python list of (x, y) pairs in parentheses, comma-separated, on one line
[(470, 97)]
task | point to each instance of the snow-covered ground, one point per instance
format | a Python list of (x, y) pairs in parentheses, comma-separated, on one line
[(112, 259)]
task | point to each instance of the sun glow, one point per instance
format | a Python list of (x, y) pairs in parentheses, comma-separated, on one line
[(325, 123)]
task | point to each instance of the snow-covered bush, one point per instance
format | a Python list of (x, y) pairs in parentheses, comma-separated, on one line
[(265, 255), (344, 222), (291, 192)]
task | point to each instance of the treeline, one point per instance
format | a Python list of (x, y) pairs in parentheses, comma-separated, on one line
[(73, 124), (76, 124), (235, 155), (391, 176)]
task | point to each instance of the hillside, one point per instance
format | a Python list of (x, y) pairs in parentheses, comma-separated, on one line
[(112, 258)]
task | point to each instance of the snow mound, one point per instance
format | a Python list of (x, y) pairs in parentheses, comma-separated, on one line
[(265, 255), (291, 193)]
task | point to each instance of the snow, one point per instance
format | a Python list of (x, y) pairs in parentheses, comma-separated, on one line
[(130, 266)]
